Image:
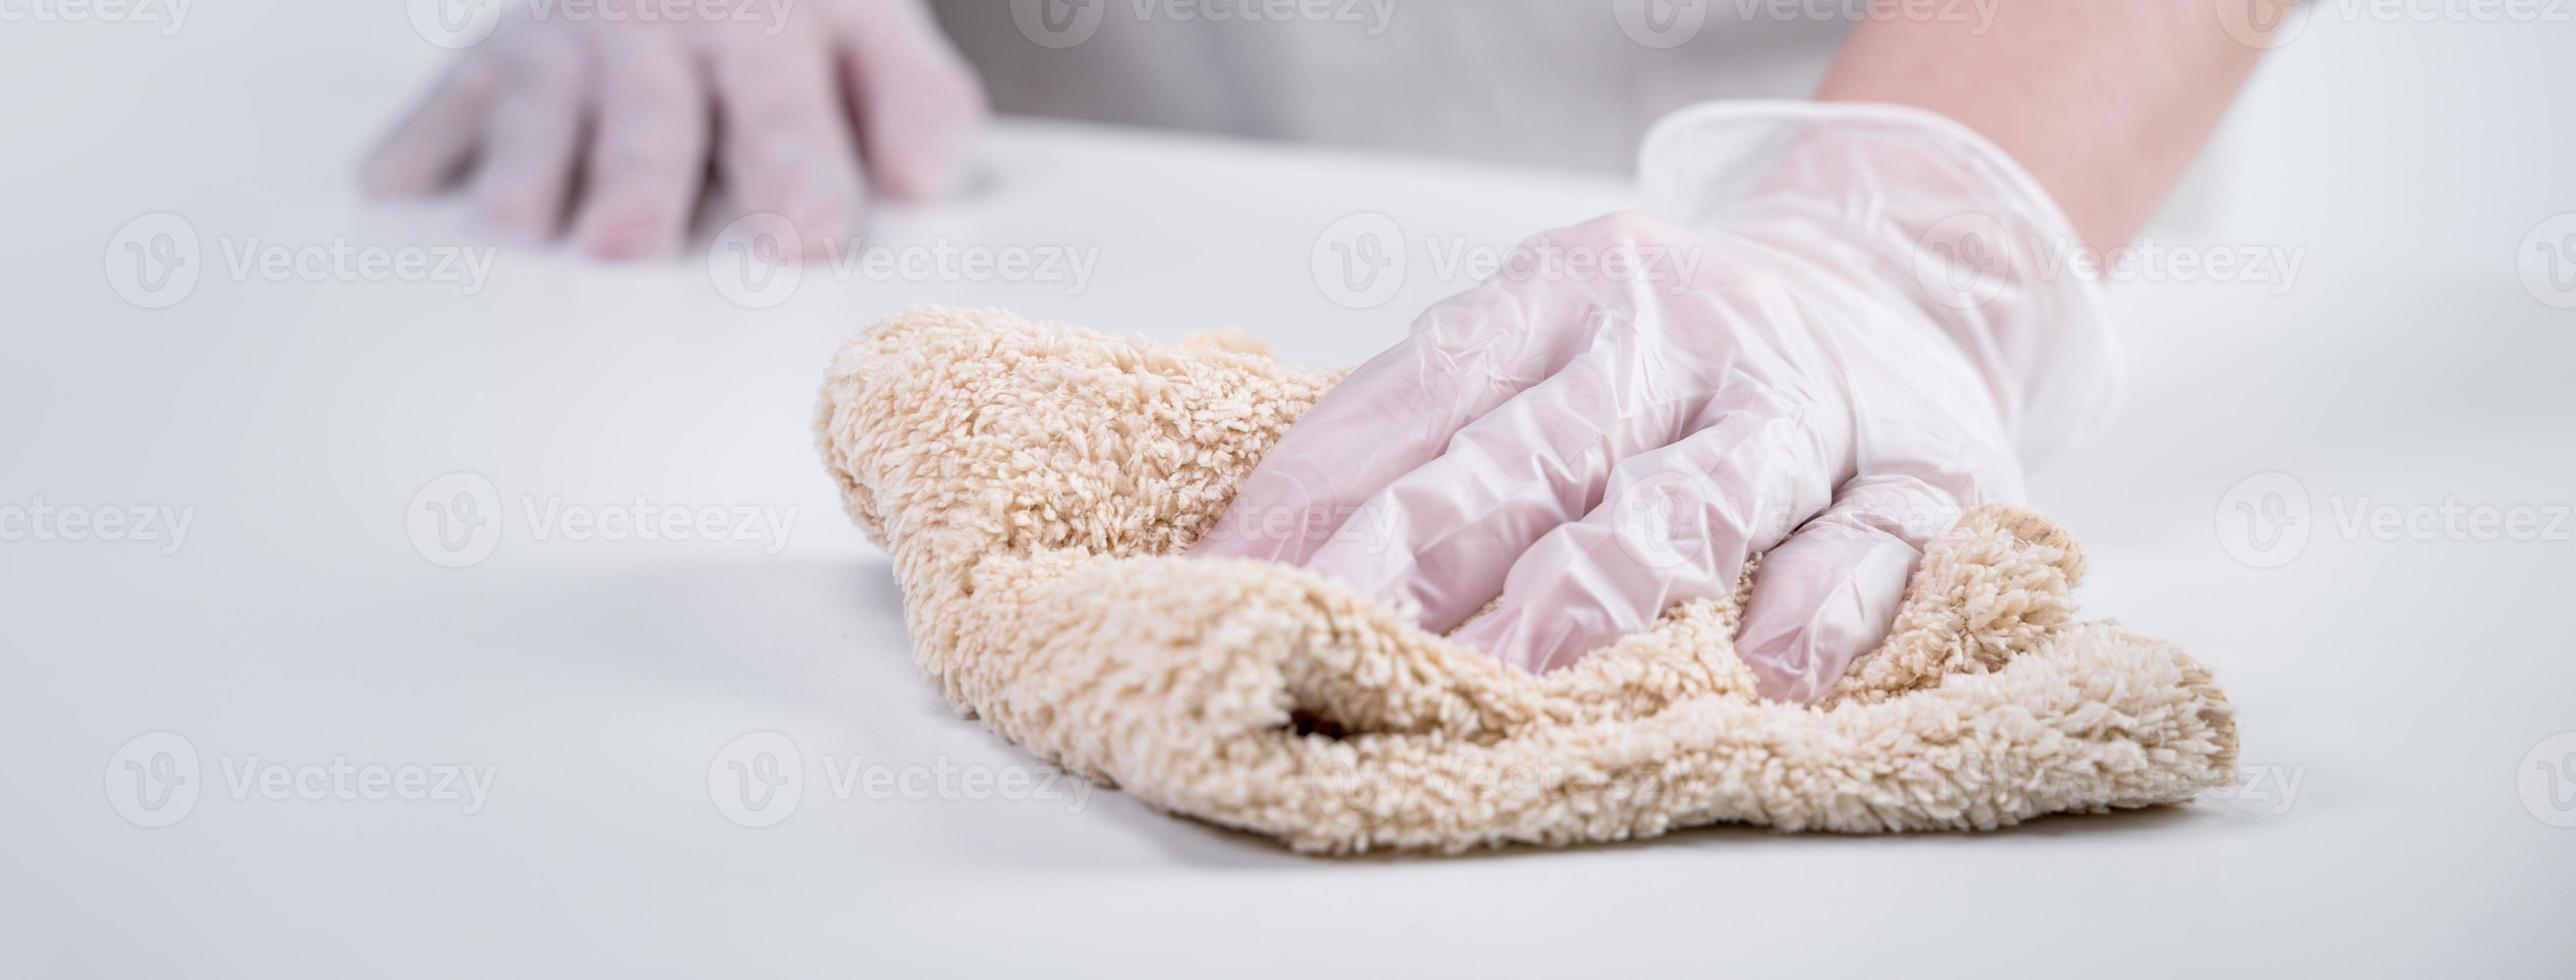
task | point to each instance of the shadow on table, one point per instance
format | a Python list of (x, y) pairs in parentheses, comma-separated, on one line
[(1196, 842)]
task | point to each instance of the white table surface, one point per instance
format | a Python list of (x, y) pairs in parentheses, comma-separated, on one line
[(2394, 695)]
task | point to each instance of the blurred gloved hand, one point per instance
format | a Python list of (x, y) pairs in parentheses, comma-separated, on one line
[(802, 108), (1833, 334)]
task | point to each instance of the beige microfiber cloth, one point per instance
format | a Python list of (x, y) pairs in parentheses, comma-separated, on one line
[(1035, 484)]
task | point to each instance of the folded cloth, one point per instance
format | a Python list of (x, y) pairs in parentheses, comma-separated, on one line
[(1036, 484)]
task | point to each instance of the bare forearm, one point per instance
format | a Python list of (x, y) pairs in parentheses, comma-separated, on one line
[(2105, 103)]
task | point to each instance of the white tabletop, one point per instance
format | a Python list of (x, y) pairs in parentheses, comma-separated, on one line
[(529, 739)]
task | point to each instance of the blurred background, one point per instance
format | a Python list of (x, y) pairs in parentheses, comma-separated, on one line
[(2394, 192)]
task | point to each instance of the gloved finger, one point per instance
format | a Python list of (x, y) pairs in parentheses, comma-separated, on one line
[(648, 155), (431, 145), (1830, 592), (1441, 537), (782, 147), (1676, 524), (530, 138), (914, 101), (1463, 358)]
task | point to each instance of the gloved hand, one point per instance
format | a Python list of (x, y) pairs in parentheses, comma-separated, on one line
[(1831, 337), (798, 101)]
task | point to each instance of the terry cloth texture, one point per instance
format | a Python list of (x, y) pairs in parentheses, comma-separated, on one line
[(1035, 484)]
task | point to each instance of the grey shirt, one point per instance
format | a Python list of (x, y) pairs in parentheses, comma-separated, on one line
[(1555, 82)]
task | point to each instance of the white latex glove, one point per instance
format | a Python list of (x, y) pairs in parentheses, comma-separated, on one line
[(798, 101), (1806, 351)]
